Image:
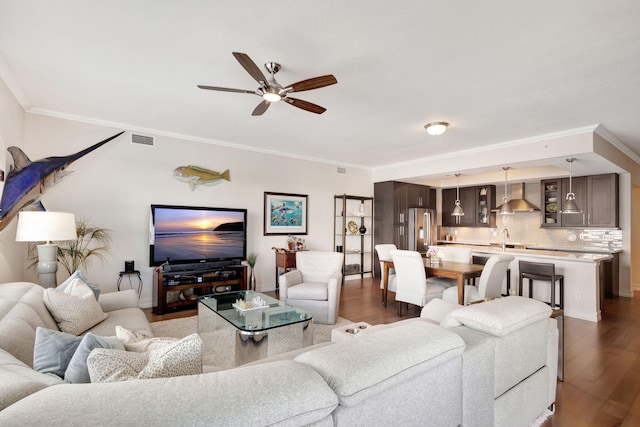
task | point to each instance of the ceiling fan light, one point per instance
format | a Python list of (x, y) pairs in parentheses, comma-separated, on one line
[(271, 97), (436, 128)]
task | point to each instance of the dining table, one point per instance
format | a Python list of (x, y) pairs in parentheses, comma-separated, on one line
[(460, 271)]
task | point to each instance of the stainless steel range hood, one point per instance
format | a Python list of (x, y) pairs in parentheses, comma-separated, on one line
[(517, 200)]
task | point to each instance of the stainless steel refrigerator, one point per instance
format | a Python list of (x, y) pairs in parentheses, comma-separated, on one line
[(422, 229)]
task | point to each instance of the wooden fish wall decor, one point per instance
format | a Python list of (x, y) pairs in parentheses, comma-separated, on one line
[(26, 180), (195, 175)]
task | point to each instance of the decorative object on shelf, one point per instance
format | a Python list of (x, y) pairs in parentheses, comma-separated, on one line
[(296, 243), (251, 260), (570, 206), (352, 227), (436, 128), (363, 229), (505, 209), (26, 180), (41, 229), (195, 175), (457, 209), (435, 255), (285, 214)]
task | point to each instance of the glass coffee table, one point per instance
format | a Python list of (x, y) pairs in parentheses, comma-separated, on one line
[(259, 332)]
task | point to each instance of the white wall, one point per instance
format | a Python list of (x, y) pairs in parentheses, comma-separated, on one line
[(11, 133), (114, 186)]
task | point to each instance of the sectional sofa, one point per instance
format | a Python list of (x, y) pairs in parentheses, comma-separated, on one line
[(489, 364)]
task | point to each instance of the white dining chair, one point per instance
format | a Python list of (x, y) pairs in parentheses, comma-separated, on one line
[(384, 253), (453, 254), (411, 280), (489, 285)]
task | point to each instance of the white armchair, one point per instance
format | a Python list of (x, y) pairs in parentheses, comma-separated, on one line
[(315, 285)]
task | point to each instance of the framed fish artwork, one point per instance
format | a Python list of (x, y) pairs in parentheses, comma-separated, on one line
[(285, 214)]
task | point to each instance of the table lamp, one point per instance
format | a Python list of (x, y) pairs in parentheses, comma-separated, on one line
[(46, 226)]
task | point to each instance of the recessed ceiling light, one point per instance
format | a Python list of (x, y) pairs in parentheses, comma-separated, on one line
[(436, 128)]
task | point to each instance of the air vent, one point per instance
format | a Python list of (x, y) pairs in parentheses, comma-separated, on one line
[(341, 170), (141, 139)]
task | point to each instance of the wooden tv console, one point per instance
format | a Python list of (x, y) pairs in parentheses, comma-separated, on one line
[(179, 289)]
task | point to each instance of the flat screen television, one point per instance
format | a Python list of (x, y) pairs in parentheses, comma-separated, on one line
[(194, 234)]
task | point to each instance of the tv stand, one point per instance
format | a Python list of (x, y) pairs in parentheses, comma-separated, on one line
[(177, 287)]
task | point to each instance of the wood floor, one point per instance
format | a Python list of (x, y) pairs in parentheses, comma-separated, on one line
[(602, 360)]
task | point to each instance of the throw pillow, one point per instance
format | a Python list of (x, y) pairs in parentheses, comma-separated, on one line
[(77, 371), (141, 341), (74, 312), (501, 316), (53, 350), (79, 275), (183, 357)]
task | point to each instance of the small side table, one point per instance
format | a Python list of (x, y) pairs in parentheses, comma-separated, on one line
[(135, 273), (285, 260)]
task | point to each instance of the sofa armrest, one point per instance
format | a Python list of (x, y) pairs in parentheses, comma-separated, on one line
[(283, 393), (118, 300), (286, 280), (18, 380)]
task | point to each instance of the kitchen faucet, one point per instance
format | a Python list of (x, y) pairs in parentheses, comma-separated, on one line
[(505, 236)]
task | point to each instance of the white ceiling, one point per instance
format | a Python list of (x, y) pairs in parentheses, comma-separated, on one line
[(498, 70)]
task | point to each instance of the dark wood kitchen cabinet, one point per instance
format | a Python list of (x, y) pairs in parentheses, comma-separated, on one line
[(392, 201), (596, 196), (477, 203)]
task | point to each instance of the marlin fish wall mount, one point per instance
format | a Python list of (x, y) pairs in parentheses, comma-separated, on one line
[(26, 180)]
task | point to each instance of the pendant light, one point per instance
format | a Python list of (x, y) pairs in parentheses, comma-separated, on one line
[(569, 206), (505, 209), (457, 209)]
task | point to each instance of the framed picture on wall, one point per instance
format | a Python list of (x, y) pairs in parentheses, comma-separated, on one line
[(285, 214)]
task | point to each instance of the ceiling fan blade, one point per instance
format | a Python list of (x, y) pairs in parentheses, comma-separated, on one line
[(251, 67), (313, 83), (305, 105), (261, 108), (226, 89)]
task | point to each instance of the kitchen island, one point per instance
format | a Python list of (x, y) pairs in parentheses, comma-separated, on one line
[(583, 278)]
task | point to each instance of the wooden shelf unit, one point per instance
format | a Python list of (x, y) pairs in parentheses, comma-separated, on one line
[(202, 281)]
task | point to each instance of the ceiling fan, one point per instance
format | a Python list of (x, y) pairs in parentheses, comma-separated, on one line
[(271, 91)]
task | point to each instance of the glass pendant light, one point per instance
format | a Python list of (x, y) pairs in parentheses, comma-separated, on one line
[(457, 209), (569, 206), (505, 209)]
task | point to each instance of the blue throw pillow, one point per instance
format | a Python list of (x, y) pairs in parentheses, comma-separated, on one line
[(53, 350), (79, 275), (77, 371)]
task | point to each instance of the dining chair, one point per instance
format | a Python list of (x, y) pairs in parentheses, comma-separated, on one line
[(384, 253), (453, 254), (411, 280), (489, 285)]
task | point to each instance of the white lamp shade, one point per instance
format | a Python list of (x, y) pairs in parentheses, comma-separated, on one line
[(39, 226)]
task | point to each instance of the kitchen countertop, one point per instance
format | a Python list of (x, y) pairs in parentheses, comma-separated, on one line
[(536, 247), (542, 253)]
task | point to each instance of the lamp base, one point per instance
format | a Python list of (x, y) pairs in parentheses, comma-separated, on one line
[(47, 265)]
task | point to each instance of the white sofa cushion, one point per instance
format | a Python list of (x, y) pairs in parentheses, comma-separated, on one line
[(141, 341), (499, 317), (74, 278)]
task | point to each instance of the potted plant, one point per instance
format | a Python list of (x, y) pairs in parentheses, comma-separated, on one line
[(92, 243)]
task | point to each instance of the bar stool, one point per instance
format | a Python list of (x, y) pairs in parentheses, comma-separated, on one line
[(544, 272)]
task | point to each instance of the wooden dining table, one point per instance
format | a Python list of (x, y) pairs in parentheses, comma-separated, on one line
[(461, 271)]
